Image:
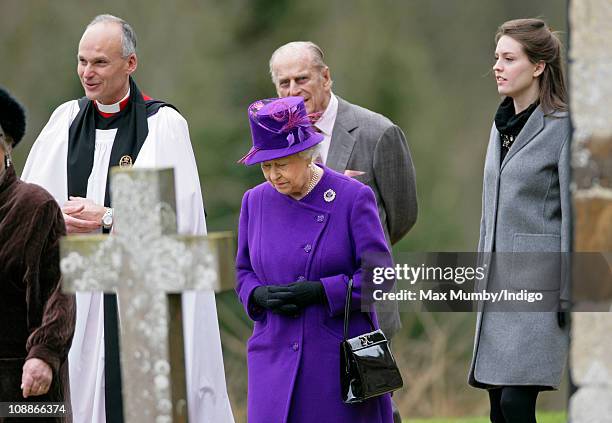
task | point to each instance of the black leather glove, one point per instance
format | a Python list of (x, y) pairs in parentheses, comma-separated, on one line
[(270, 297), (563, 315), (305, 293), (289, 300)]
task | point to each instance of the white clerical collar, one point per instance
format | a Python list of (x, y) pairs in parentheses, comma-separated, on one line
[(111, 108), (328, 118)]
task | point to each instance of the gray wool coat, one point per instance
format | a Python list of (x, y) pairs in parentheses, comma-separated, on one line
[(366, 141), (525, 208)]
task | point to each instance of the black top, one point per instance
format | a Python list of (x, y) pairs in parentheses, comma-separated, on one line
[(509, 124)]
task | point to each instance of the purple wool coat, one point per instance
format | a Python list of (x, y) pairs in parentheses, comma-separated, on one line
[(294, 362)]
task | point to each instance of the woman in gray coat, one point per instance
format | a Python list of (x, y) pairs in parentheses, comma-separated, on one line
[(525, 208)]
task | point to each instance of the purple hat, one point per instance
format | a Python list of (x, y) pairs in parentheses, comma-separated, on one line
[(280, 127)]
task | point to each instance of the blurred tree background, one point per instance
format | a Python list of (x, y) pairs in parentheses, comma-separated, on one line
[(423, 63)]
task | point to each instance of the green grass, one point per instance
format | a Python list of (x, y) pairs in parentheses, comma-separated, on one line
[(542, 418)]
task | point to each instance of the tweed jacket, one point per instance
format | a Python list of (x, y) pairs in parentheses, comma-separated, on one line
[(369, 142), (366, 141), (525, 208)]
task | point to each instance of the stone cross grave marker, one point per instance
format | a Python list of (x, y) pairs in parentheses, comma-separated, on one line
[(148, 265)]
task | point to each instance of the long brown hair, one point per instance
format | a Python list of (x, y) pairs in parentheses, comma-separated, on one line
[(540, 43)]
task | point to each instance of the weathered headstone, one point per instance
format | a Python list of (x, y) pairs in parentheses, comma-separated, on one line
[(591, 106), (147, 265)]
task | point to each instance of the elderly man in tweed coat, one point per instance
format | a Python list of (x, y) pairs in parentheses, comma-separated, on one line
[(358, 142)]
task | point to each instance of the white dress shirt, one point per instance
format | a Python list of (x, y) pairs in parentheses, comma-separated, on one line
[(325, 124)]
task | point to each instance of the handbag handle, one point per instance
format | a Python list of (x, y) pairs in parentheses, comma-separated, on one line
[(347, 310)]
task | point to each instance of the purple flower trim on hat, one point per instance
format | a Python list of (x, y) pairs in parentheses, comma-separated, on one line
[(297, 126), (280, 112), (280, 127), (255, 107), (278, 116)]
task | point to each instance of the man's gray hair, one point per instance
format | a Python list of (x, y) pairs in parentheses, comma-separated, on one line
[(311, 153), (128, 36), (316, 54)]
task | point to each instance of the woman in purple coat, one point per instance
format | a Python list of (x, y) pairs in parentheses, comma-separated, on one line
[(302, 236)]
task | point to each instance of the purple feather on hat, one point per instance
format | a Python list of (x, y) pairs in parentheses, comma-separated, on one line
[(280, 127)]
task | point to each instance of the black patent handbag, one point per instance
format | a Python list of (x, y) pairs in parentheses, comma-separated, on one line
[(367, 365)]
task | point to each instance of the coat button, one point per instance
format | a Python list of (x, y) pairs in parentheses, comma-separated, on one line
[(300, 279), (295, 346), (320, 218), (307, 248)]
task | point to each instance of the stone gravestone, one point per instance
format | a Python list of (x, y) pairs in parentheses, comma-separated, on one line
[(147, 265), (591, 107)]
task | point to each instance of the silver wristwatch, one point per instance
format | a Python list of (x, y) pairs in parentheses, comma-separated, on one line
[(107, 219)]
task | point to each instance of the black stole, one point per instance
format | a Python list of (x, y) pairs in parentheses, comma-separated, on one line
[(132, 130)]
